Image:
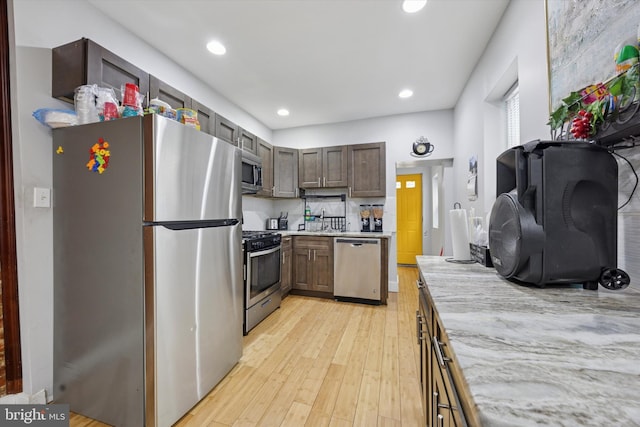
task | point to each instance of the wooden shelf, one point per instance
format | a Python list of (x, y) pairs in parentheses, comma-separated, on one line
[(620, 126)]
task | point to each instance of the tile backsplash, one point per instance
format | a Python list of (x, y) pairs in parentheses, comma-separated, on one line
[(257, 210)]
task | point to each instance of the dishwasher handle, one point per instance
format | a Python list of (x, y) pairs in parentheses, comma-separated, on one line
[(358, 242)]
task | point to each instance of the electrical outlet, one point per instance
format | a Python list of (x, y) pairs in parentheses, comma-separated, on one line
[(41, 197)]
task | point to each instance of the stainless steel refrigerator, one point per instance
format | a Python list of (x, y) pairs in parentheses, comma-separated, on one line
[(147, 268)]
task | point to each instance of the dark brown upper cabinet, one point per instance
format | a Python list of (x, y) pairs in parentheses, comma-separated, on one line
[(323, 167), (226, 130), (285, 172), (334, 166), (85, 62), (310, 168), (172, 96), (248, 141), (265, 152), (206, 117), (367, 170)]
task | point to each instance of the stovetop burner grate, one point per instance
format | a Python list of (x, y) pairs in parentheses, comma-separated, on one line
[(256, 234)]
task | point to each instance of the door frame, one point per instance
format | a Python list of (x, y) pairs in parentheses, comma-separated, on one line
[(422, 208), (8, 257), (427, 167)]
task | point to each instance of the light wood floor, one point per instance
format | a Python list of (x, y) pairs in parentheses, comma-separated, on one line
[(318, 362)]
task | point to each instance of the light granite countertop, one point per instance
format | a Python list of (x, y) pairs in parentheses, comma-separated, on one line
[(553, 356), (356, 234)]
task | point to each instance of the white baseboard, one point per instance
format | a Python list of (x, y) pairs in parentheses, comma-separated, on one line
[(40, 398), (393, 285)]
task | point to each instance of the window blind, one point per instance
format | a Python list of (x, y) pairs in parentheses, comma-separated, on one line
[(512, 107)]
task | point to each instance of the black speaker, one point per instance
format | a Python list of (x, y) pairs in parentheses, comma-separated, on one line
[(555, 218)]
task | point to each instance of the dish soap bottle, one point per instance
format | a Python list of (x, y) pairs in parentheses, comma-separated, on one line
[(307, 214)]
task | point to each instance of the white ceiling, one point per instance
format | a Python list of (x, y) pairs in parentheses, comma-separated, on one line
[(324, 60)]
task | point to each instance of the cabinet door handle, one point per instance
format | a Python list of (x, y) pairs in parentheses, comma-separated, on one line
[(318, 181), (434, 407), (273, 190), (314, 254), (349, 191), (441, 358), (419, 322), (440, 421), (324, 181), (309, 255)]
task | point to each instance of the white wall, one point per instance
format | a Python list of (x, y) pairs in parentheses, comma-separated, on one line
[(39, 26), (517, 49)]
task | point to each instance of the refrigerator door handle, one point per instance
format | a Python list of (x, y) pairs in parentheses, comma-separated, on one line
[(189, 225)]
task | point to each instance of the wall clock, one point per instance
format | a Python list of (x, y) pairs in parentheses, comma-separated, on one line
[(422, 147)]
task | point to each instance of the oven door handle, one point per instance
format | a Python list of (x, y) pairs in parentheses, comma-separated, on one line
[(264, 252)]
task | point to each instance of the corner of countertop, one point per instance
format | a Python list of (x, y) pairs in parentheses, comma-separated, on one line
[(358, 234)]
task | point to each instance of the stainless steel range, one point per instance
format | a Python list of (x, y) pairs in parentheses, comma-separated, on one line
[(261, 276)]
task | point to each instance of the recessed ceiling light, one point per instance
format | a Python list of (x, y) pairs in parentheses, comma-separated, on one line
[(412, 6), (216, 47), (283, 112), (407, 93)]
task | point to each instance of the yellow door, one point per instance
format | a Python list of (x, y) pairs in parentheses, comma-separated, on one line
[(409, 214)]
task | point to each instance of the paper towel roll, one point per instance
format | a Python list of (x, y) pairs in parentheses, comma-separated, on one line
[(459, 234)]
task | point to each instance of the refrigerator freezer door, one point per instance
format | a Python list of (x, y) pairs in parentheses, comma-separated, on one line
[(98, 324), (189, 175), (198, 314)]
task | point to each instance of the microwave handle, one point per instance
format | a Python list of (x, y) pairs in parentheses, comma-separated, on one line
[(257, 175)]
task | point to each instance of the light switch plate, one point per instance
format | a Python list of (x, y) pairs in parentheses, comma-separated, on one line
[(41, 197)]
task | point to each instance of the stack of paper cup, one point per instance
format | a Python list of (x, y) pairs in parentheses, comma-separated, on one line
[(85, 104), (459, 233)]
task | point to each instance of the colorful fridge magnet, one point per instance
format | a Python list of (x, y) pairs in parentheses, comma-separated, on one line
[(99, 156), (60, 150)]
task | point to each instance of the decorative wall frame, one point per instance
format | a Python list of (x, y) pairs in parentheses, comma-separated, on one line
[(472, 179), (581, 40)]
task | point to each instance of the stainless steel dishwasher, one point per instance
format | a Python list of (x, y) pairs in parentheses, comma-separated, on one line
[(356, 269)]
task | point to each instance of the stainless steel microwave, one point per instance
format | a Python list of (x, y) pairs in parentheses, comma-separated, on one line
[(251, 173)]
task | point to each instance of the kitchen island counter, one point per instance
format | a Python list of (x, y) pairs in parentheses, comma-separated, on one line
[(531, 356)]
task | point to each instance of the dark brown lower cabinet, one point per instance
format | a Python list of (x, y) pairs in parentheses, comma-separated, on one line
[(445, 402), (286, 267), (313, 264), (423, 333)]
